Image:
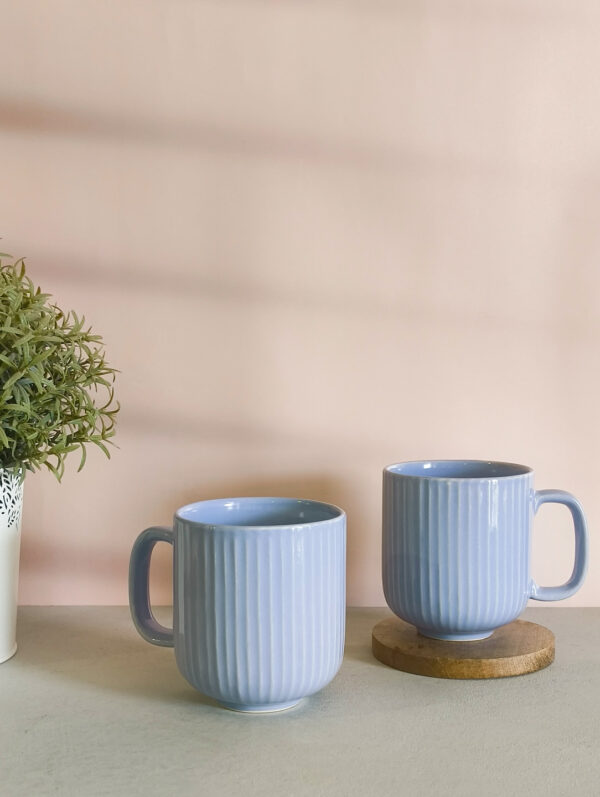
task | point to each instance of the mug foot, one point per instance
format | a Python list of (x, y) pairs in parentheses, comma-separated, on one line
[(261, 708), (455, 637)]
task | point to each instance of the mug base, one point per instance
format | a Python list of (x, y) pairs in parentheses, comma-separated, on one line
[(261, 708), (456, 637)]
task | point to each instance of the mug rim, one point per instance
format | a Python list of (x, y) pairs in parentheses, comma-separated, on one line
[(518, 471), (222, 502)]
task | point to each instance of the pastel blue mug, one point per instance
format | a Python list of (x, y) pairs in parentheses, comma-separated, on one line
[(457, 543), (259, 598)]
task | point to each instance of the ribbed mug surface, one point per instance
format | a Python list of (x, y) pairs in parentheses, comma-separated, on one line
[(456, 545), (259, 604)]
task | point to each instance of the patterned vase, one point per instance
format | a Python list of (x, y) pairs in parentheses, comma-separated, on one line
[(11, 503)]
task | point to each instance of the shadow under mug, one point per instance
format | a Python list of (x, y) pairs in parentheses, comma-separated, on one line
[(259, 598), (457, 544)]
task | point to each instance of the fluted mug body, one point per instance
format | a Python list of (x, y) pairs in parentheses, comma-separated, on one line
[(259, 599), (457, 545)]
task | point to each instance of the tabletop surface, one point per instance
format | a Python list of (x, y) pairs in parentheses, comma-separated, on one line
[(89, 708)]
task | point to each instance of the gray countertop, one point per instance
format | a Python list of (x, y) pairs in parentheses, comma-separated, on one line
[(89, 708)]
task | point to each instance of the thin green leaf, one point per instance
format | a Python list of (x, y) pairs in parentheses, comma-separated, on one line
[(56, 390)]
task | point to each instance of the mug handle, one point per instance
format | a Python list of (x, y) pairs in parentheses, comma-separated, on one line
[(581, 546), (139, 594)]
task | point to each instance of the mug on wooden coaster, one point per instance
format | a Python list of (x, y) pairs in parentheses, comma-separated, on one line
[(457, 541)]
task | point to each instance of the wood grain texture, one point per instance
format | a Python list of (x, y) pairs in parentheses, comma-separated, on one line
[(514, 649)]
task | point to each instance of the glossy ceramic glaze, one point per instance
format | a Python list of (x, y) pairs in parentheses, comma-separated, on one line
[(457, 542), (259, 603)]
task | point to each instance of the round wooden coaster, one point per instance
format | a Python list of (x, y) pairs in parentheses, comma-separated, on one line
[(514, 649)]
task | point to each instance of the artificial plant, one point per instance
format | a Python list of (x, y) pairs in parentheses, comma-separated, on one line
[(56, 389)]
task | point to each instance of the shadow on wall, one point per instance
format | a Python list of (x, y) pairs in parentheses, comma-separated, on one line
[(264, 144), (237, 288), (259, 143), (25, 117)]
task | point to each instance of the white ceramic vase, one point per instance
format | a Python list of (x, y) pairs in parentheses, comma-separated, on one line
[(11, 504)]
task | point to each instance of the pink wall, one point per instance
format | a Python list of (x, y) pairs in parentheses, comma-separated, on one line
[(317, 238)]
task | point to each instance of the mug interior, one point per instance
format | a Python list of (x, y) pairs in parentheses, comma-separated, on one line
[(458, 469), (265, 512)]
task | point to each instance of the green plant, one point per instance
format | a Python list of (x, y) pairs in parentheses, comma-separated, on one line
[(56, 389)]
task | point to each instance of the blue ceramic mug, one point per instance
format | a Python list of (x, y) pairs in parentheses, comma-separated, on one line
[(259, 598), (457, 541)]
